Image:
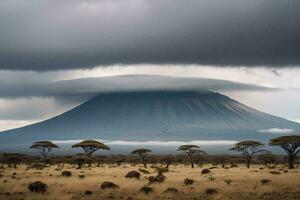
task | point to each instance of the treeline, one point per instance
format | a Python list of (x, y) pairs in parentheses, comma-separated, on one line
[(252, 152), (81, 160)]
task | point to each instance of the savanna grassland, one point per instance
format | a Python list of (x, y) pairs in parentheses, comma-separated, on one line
[(238, 182)]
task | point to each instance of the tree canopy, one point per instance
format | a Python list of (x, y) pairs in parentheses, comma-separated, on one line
[(141, 151), (90, 146), (43, 144), (289, 144), (190, 150), (44, 147), (248, 149), (142, 154)]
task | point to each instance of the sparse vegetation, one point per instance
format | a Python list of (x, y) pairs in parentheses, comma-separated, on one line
[(211, 191), (66, 173), (146, 189), (18, 174), (109, 185), (90, 146), (265, 181), (290, 144), (190, 151), (38, 186), (44, 147), (248, 149), (142, 154), (188, 181), (171, 190), (159, 178), (228, 181), (205, 171), (133, 174)]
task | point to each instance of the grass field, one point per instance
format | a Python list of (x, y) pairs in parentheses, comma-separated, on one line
[(242, 183)]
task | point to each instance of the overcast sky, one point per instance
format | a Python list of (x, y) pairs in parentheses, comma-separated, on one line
[(54, 54)]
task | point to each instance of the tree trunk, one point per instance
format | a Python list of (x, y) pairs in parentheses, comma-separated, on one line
[(248, 163), (223, 165), (145, 163), (167, 165), (291, 162), (192, 164)]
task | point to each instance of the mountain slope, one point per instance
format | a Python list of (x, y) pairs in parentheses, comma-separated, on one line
[(153, 115)]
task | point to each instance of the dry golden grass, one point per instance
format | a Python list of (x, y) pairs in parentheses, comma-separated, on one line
[(246, 183)]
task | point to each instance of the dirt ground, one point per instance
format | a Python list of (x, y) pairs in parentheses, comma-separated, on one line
[(223, 184)]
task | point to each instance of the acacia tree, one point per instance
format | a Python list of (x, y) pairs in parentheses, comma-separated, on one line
[(142, 154), (190, 151), (90, 146), (44, 147), (81, 159), (267, 158), (222, 159), (168, 159), (290, 144), (248, 149)]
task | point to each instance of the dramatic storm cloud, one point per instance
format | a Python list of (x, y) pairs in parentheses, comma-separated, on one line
[(64, 34)]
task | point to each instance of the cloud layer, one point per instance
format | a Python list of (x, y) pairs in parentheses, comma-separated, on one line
[(63, 34), (155, 143), (38, 86), (277, 131)]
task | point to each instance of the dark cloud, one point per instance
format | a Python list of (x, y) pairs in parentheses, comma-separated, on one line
[(80, 89), (63, 34)]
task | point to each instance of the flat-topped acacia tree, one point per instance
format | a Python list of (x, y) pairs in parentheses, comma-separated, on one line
[(248, 149), (44, 147), (90, 146), (290, 144), (190, 150), (142, 154)]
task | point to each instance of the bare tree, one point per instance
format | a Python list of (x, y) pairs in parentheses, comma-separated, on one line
[(290, 144), (190, 151), (248, 149), (142, 154), (44, 147)]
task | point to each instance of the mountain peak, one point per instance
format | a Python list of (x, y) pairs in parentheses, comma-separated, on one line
[(154, 115)]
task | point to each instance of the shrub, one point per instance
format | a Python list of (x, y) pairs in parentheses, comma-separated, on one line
[(144, 171), (228, 181), (211, 178), (156, 179), (88, 192), (205, 171), (275, 172), (109, 185), (188, 181), (66, 173), (133, 174), (162, 169), (38, 186), (211, 191), (146, 189), (38, 166), (171, 190), (81, 176), (265, 181)]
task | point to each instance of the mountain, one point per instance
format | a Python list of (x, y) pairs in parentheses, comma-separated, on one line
[(153, 115)]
